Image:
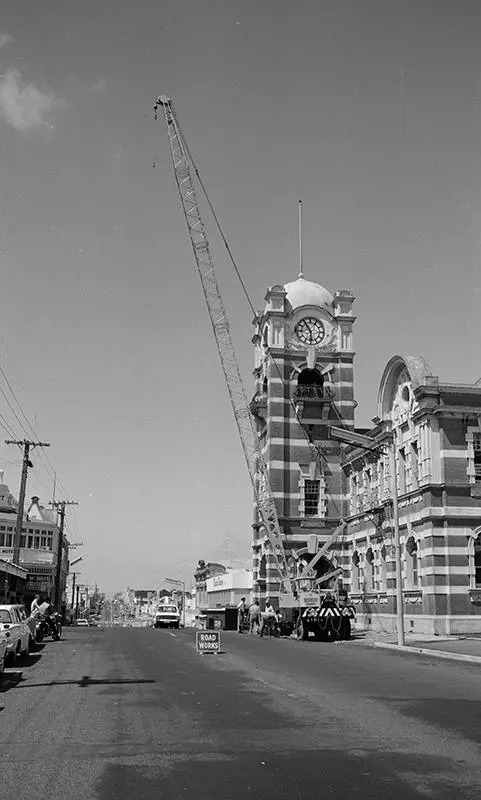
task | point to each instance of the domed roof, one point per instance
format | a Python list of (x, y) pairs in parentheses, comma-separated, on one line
[(307, 293)]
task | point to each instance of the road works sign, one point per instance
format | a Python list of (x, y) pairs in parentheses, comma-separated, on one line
[(207, 641)]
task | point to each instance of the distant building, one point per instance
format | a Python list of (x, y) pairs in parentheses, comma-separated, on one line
[(205, 570), (228, 589)]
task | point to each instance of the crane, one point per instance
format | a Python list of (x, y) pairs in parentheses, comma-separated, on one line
[(257, 468), (184, 171)]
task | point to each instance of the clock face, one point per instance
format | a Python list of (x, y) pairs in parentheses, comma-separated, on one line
[(310, 330)]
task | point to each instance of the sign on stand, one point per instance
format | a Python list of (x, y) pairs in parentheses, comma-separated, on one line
[(207, 641)]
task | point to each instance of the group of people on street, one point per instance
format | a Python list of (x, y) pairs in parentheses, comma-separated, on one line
[(256, 619)]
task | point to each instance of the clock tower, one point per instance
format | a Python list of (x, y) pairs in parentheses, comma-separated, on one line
[(304, 379)]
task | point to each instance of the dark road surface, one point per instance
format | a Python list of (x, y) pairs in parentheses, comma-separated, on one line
[(136, 714)]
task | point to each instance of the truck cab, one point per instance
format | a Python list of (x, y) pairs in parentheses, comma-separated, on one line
[(167, 616)]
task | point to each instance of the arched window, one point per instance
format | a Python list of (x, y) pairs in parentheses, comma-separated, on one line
[(477, 561), (263, 568), (310, 383)]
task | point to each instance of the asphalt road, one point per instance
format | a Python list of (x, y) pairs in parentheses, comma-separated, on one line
[(136, 714)]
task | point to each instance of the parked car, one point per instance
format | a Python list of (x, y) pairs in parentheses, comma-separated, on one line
[(19, 630), (83, 623)]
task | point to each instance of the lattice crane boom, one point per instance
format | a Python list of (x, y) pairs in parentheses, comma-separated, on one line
[(183, 172)]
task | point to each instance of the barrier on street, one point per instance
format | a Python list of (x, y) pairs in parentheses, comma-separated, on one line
[(207, 641)]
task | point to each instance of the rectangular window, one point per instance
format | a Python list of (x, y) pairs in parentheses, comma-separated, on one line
[(414, 465), (402, 470), (367, 488), (23, 541), (36, 542), (311, 497), (43, 541), (375, 485), (9, 540), (50, 543), (477, 456), (30, 542), (2, 540), (415, 570), (353, 494)]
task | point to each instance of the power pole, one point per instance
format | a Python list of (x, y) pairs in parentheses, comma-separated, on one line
[(60, 505), (21, 498), (74, 575)]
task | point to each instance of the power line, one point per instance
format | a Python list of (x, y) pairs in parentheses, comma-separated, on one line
[(316, 450), (43, 456)]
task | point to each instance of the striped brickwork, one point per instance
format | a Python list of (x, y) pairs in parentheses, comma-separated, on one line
[(283, 425)]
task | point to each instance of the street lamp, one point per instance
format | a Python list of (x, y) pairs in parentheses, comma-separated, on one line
[(182, 583)]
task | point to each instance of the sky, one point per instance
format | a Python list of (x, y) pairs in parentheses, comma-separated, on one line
[(370, 112)]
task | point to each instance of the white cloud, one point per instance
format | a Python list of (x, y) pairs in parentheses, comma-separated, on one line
[(4, 39), (23, 105)]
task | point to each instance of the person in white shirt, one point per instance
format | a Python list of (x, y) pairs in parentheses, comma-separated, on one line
[(241, 610), (35, 603), (268, 614)]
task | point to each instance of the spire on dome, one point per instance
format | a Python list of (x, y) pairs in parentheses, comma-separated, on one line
[(301, 266)]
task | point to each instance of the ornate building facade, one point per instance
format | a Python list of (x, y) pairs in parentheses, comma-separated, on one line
[(304, 373), (436, 433), (304, 378)]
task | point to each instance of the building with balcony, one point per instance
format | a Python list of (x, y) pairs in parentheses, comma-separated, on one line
[(435, 429), (38, 545)]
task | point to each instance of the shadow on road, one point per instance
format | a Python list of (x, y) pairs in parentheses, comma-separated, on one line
[(10, 680), (31, 659), (86, 680)]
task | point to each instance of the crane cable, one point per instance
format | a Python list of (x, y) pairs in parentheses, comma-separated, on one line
[(316, 450)]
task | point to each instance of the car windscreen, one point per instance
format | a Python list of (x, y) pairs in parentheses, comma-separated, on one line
[(167, 610), (5, 615)]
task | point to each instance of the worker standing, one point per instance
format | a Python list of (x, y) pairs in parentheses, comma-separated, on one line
[(254, 617), (241, 612)]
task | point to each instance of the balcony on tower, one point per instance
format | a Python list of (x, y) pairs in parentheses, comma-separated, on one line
[(312, 398)]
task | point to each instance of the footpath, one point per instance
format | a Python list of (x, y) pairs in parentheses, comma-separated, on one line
[(453, 648)]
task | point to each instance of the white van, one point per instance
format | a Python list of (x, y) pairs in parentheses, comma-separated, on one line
[(167, 616)]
